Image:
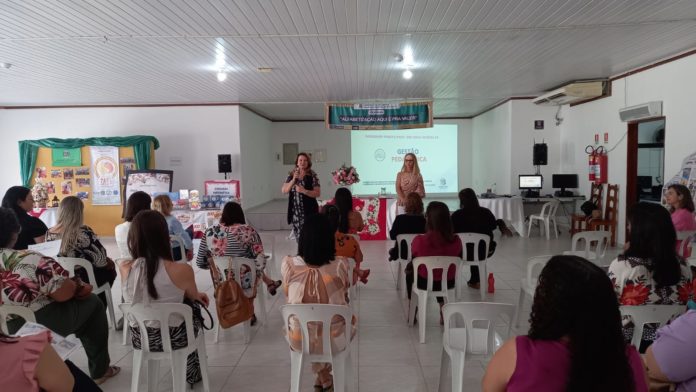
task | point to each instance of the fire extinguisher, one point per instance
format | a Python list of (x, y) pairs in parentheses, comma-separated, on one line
[(591, 161), (598, 161)]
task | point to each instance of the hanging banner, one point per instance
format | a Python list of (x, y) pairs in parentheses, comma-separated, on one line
[(379, 116), (106, 187), (66, 157)]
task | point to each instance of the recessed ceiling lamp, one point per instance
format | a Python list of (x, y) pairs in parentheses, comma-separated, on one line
[(264, 69), (6, 65), (221, 76), (407, 74)]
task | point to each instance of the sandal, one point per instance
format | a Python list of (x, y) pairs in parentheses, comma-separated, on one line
[(273, 287), (110, 372), (363, 276)]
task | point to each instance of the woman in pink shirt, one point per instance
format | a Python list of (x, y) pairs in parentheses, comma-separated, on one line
[(681, 205), (574, 342), (438, 240)]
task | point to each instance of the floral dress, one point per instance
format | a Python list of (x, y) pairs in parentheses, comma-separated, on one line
[(298, 200), (28, 278), (634, 285)]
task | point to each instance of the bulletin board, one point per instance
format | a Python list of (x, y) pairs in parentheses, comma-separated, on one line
[(76, 181)]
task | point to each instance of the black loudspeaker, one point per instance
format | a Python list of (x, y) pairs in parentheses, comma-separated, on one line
[(224, 163), (540, 154)]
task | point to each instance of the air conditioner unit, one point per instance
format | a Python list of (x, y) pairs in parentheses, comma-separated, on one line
[(570, 93), (638, 112)]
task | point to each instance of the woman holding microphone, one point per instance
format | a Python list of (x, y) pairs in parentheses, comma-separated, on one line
[(302, 187)]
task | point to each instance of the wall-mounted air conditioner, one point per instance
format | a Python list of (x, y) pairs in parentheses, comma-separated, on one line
[(571, 93), (639, 112)]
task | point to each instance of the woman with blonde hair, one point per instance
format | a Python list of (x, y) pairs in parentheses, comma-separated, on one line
[(163, 204), (79, 240), (409, 179)]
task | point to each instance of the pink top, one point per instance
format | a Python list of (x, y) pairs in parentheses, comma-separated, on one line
[(18, 362), (543, 365), (683, 220), (431, 244)]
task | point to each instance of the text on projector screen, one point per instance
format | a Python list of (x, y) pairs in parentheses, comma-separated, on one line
[(400, 158)]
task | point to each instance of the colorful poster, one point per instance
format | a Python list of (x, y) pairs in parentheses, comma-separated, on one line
[(106, 187), (66, 157)]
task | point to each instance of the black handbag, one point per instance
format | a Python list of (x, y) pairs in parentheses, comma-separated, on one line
[(198, 318), (587, 207)]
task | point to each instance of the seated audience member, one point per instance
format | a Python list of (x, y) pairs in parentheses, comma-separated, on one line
[(672, 355), (20, 200), (65, 306), (137, 202), (438, 240), (650, 271), (152, 273), (346, 245), (78, 240), (410, 222), (574, 341), (472, 218), (233, 237), (351, 221), (681, 206), (317, 276), (163, 204)]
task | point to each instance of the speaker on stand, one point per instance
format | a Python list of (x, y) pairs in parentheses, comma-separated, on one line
[(225, 164)]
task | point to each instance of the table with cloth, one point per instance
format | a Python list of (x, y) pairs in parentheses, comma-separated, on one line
[(49, 216), (509, 209), (196, 221), (374, 213)]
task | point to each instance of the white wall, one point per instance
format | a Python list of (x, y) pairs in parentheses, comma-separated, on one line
[(673, 84), (490, 150), (313, 135), (193, 134), (255, 135)]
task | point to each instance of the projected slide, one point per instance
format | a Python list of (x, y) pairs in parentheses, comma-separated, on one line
[(378, 156)]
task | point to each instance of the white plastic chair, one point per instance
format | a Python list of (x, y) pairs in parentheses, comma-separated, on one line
[(431, 264), (597, 239), (352, 291), (687, 237), (528, 285), (160, 312), (177, 242), (475, 240), (341, 362), (460, 340), (649, 314), (14, 310), (547, 214), (69, 264), (269, 252), (235, 264), (403, 240)]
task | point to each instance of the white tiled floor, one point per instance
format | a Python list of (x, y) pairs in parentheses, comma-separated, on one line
[(386, 351)]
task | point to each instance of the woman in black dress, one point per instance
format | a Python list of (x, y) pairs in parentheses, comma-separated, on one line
[(302, 187), (20, 200)]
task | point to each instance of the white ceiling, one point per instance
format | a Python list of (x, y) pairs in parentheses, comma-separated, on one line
[(468, 55)]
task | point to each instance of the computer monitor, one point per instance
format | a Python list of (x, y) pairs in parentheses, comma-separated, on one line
[(564, 181), (531, 183)]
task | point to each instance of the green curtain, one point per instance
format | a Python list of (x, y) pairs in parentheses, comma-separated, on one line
[(28, 150)]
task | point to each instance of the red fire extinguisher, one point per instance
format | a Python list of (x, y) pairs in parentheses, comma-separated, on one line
[(591, 161), (598, 164)]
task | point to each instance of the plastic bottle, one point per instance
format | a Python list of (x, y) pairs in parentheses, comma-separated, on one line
[(491, 283)]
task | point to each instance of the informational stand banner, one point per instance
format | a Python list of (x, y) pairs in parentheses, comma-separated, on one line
[(148, 181), (226, 188), (378, 116), (106, 187), (686, 176)]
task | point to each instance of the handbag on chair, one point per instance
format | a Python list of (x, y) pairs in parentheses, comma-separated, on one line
[(232, 305)]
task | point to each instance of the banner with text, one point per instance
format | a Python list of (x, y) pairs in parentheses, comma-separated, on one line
[(106, 186), (379, 116), (66, 157)]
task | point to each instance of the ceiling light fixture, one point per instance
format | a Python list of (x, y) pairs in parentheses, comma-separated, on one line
[(221, 76), (407, 74), (264, 69), (6, 65)]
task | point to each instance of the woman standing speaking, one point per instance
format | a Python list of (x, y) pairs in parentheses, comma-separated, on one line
[(303, 188), (408, 180)]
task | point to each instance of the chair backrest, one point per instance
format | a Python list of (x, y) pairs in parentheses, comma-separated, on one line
[(477, 312), (600, 239), (475, 239), (549, 208), (158, 312), (534, 267), (69, 264), (686, 237), (649, 314), (14, 310), (318, 313), (235, 264), (611, 207), (48, 248), (596, 194), (434, 263), (403, 241), (177, 242)]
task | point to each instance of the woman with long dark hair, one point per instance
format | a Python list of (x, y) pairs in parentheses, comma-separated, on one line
[(138, 201), (650, 271), (20, 200), (152, 273), (302, 187), (350, 221), (346, 245), (574, 342)]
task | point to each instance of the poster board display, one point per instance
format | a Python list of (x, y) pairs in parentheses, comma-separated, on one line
[(223, 188), (148, 181), (106, 187)]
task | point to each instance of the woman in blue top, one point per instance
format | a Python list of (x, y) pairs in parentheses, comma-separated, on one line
[(163, 204)]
